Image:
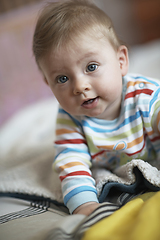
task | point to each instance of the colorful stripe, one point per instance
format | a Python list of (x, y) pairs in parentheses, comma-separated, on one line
[(137, 92), (78, 173), (71, 141)]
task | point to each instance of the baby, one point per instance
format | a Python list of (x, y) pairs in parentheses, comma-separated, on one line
[(106, 117)]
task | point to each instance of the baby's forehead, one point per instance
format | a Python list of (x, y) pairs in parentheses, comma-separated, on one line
[(80, 50), (79, 39)]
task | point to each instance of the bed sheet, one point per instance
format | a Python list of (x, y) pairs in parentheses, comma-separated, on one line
[(138, 219)]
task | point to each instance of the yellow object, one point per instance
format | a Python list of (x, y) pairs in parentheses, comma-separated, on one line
[(139, 219)]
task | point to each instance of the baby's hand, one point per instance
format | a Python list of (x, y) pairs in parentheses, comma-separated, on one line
[(86, 208)]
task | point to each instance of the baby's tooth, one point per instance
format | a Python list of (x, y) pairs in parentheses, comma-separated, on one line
[(90, 101)]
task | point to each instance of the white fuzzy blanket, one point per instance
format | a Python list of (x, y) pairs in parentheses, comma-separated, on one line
[(27, 153)]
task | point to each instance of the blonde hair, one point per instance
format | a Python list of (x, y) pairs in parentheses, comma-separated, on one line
[(60, 22)]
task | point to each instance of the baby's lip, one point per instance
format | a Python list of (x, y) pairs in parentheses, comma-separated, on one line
[(90, 102)]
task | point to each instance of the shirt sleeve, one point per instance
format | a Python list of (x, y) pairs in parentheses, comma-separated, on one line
[(73, 162)]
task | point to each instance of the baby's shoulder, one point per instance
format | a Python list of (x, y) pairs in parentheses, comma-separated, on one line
[(140, 93), (138, 81), (138, 85)]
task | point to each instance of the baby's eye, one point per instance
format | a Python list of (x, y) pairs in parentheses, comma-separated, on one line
[(91, 67), (62, 79)]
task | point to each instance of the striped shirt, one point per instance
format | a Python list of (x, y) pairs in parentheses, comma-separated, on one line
[(83, 141)]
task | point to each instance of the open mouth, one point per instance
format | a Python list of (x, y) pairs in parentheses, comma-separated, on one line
[(90, 103)]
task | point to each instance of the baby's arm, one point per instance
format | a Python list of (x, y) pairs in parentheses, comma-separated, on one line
[(86, 208), (73, 162)]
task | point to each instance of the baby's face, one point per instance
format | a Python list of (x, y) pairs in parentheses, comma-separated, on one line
[(86, 78)]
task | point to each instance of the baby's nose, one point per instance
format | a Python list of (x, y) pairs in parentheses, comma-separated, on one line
[(81, 86)]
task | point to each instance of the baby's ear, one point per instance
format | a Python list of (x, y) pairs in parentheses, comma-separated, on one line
[(123, 59)]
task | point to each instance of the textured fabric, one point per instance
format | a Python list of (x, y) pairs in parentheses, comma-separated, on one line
[(130, 222), (138, 219), (28, 220), (14, 208), (110, 144), (74, 226)]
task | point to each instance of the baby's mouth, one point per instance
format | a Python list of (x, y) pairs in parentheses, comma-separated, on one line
[(90, 102)]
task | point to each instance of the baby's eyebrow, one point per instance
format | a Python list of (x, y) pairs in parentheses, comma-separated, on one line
[(87, 55), (55, 71)]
